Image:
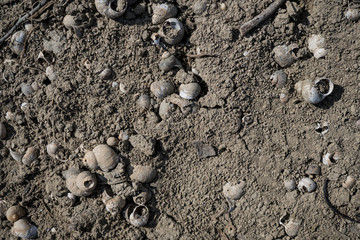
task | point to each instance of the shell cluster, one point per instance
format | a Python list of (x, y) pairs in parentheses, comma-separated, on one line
[(21, 226), (80, 183)]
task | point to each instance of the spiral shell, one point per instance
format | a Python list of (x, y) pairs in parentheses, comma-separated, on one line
[(29, 156), (234, 191), (18, 41), (189, 91), (314, 92), (80, 184), (162, 88), (14, 213), (283, 55), (278, 79), (172, 31), (103, 157), (307, 184), (52, 149), (169, 61), (138, 216), (23, 229), (143, 197), (162, 12), (113, 204), (2, 131), (104, 7), (143, 174)]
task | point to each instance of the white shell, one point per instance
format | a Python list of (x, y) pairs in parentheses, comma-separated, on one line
[(140, 216), (234, 191), (283, 54), (52, 148), (15, 155), (292, 227), (310, 90), (162, 12), (349, 182), (316, 45), (307, 184), (22, 228), (26, 89), (104, 8), (328, 159), (189, 91), (352, 14), (278, 79), (50, 73), (290, 184)]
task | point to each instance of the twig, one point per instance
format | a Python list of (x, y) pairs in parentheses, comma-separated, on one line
[(21, 20), (246, 27), (200, 55)]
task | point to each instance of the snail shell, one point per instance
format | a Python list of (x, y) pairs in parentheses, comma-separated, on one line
[(278, 79), (162, 12), (290, 184), (143, 197), (314, 92), (29, 156), (101, 156), (143, 174), (26, 89), (189, 91), (86, 181), (292, 227), (52, 149), (2, 131), (14, 213), (313, 170), (104, 8), (15, 155), (316, 45), (113, 205), (169, 61), (112, 141), (307, 184), (349, 182), (138, 216), (162, 88), (234, 191), (353, 14), (17, 42), (144, 102), (283, 56), (50, 73), (23, 229), (172, 31)]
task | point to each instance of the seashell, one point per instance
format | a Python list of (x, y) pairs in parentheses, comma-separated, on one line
[(278, 79), (18, 41), (316, 45), (349, 182), (313, 170), (314, 92), (290, 184), (199, 7), (113, 204), (328, 159), (23, 229), (106, 73), (52, 149), (45, 56), (292, 227), (2, 131), (10, 116), (112, 141), (70, 23), (169, 61), (284, 96), (86, 182), (103, 157), (3, 208), (165, 109), (140, 216), (172, 31), (189, 91), (15, 155), (234, 191), (283, 54), (162, 88), (26, 89), (143, 197), (104, 7), (162, 12), (144, 102), (50, 73), (143, 174), (14, 213), (29, 156), (307, 184), (353, 14)]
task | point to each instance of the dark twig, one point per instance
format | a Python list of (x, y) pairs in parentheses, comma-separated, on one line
[(246, 27), (21, 20), (327, 200)]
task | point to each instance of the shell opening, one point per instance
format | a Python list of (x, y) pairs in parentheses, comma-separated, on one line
[(324, 86), (88, 183)]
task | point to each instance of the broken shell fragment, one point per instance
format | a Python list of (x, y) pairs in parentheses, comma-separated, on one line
[(15, 155), (139, 216), (18, 41), (316, 45), (26, 89), (50, 73), (29, 156), (292, 227), (290, 184), (113, 204), (172, 31), (313, 170), (234, 191), (189, 91), (353, 14), (349, 182), (106, 73), (102, 156), (328, 159), (307, 184), (169, 61), (23, 229), (284, 96), (52, 149), (2, 131), (105, 8), (162, 88), (143, 174), (162, 12), (14, 213), (283, 54), (314, 92), (278, 79)]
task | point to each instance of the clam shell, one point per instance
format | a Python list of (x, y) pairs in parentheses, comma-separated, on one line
[(292, 227), (17, 42), (14, 213), (307, 184), (172, 31), (189, 91), (139, 216), (143, 174), (23, 229), (311, 92), (86, 182), (162, 12), (162, 88), (279, 79), (104, 7), (29, 156), (2, 131), (234, 191), (106, 157)]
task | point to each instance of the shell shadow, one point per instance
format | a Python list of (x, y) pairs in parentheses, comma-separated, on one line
[(332, 98)]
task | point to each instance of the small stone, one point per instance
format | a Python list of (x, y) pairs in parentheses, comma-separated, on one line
[(204, 150)]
